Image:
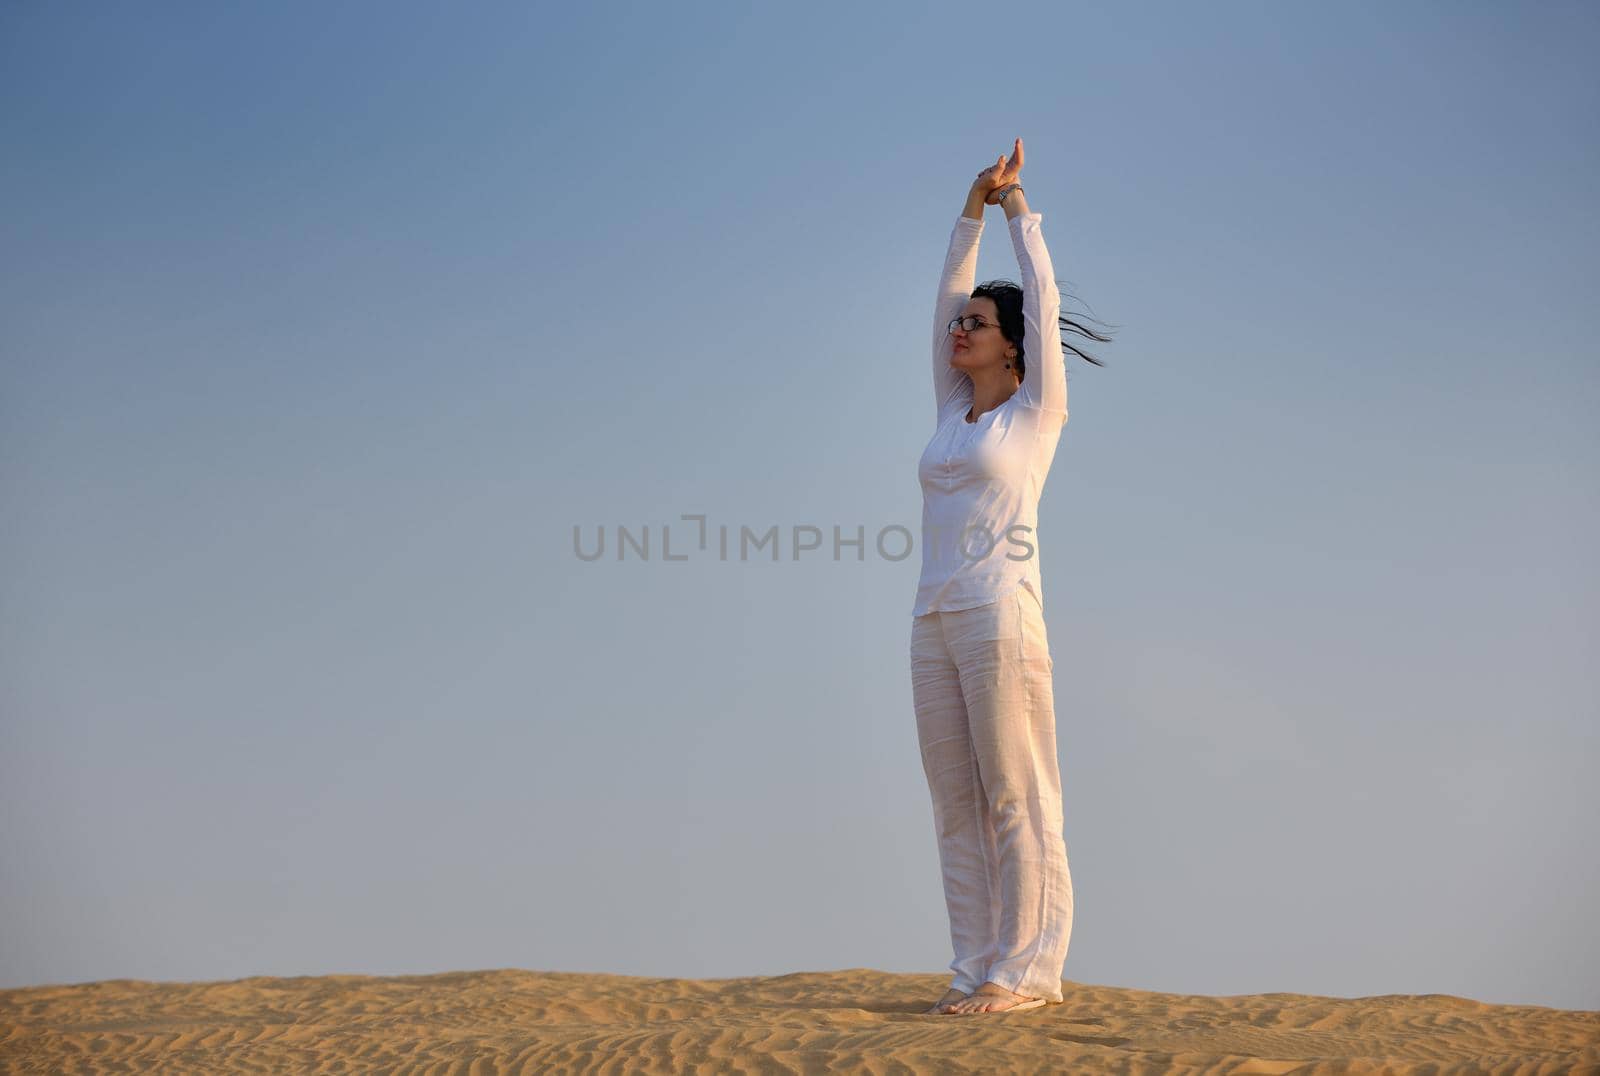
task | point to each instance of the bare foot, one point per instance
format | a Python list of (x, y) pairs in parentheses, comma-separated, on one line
[(951, 996), (990, 997)]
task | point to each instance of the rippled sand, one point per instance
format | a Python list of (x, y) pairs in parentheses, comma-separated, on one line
[(857, 1020)]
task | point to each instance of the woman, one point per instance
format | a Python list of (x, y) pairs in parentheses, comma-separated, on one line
[(980, 657)]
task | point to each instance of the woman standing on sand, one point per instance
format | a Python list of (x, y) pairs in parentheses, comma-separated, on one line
[(980, 657)]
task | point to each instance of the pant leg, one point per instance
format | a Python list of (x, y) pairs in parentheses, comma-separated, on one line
[(968, 856), (1002, 654)]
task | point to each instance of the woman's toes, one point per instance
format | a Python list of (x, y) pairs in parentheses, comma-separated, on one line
[(990, 1000)]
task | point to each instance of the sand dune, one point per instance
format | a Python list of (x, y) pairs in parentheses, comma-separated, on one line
[(856, 1020)]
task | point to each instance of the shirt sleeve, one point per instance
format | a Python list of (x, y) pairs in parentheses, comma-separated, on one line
[(1044, 384), (955, 288)]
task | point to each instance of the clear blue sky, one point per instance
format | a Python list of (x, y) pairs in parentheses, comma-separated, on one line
[(324, 325)]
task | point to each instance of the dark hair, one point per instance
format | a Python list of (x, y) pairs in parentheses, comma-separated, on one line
[(1007, 299)]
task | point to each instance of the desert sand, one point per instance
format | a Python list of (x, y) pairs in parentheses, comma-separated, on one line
[(857, 1020)]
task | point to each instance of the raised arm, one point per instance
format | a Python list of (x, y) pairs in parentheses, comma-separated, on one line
[(955, 288), (1044, 383)]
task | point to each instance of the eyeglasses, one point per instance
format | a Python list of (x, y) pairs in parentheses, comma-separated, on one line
[(971, 323)]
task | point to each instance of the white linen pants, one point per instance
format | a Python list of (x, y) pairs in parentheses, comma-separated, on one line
[(985, 706)]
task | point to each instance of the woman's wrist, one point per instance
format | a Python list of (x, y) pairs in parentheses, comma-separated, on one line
[(1015, 204), (975, 203)]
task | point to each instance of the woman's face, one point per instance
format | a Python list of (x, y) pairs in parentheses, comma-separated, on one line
[(983, 346)]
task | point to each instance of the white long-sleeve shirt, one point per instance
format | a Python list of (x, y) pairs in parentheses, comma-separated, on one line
[(981, 480)]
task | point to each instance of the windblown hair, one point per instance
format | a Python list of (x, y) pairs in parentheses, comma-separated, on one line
[(1008, 301)]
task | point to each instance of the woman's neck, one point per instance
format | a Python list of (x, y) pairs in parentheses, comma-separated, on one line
[(989, 393)]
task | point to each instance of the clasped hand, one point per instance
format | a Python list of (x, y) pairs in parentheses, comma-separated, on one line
[(999, 175)]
